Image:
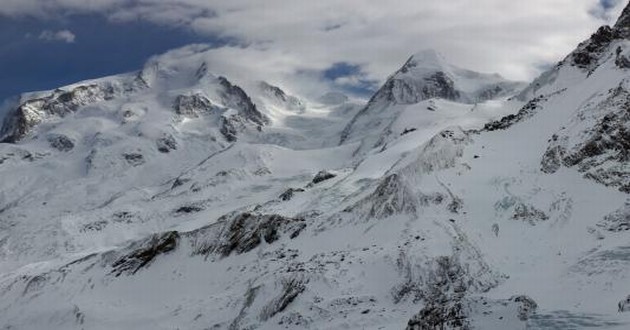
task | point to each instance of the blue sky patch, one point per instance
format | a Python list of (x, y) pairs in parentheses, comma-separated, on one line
[(35, 56)]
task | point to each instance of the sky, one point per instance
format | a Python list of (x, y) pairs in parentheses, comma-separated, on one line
[(349, 45)]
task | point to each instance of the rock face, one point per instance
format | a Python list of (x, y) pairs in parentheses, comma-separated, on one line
[(166, 144), (234, 97), (391, 197), (280, 98), (588, 53), (624, 305), (60, 142), (240, 233), (617, 221), (144, 252), (623, 23), (322, 176), (525, 112), (288, 194), (600, 151), (424, 76), (193, 106), (58, 104)]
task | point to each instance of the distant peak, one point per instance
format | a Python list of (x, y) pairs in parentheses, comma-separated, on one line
[(427, 59), (430, 55)]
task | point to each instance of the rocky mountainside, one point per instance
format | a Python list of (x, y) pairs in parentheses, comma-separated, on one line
[(425, 76), (177, 198)]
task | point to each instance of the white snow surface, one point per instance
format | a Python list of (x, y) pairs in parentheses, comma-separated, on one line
[(430, 185)]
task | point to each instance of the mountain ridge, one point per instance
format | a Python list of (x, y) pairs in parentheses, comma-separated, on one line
[(192, 202)]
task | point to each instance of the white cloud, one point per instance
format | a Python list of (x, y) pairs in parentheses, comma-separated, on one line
[(61, 35), (280, 38)]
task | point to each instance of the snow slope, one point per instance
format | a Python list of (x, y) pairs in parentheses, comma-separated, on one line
[(174, 198)]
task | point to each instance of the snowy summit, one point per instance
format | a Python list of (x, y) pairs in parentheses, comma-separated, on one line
[(180, 197)]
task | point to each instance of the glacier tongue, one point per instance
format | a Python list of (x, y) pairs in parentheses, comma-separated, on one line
[(177, 198)]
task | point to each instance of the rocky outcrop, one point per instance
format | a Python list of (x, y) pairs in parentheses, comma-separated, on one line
[(529, 214), (230, 126), (193, 106), (166, 144), (617, 221), (234, 97), (444, 307), (144, 252), (242, 232), (527, 111), (402, 91), (623, 23), (425, 76), (597, 142), (278, 97), (59, 103), (322, 176), (134, 158), (391, 197), (288, 194), (624, 305), (60, 142), (291, 288), (588, 53)]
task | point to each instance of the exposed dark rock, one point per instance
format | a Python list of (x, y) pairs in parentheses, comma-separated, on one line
[(189, 209), (291, 289), (322, 176), (250, 296), (94, 226), (123, 217), (194, 105), (552, 159), (621, 61), (526, 306), (602, 151), (60, 103), (444, 306), (624, 305), (589, 52), (179, 182), (234, 97), (230, 126), (288, 194), (134, 159), (60, 142), (408, 130), (243, 232), (618, 220), (144, 252), (529, 214), (526, 111), (623, 23), (166, 144), (406, 91), (392, 196)]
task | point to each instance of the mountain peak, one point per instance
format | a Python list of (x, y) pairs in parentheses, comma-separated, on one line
[(428, 59)]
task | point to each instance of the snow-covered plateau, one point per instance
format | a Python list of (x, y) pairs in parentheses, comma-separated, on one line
[(175, 198)]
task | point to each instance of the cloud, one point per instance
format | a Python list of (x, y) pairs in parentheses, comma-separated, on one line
[(296, 39), (62, 35)]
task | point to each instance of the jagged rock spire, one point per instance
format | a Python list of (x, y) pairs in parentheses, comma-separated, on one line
[(623, 23)]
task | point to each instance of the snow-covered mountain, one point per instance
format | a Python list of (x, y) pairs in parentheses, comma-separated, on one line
[(177, 198), (425, 77)]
